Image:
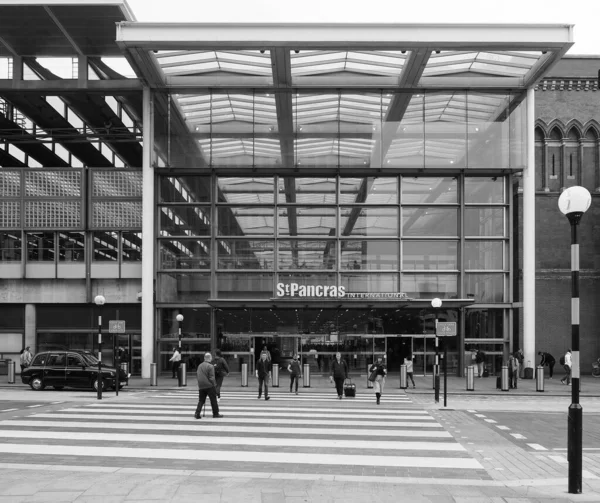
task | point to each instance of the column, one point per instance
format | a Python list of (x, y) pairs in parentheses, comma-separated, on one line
[(30, 326), (148, 234), (529, 235)]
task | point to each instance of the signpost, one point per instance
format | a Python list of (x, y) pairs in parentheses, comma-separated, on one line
[(117, 327), (445, 329)]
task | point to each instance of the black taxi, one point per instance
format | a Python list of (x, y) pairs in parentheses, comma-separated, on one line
[(69, 368)]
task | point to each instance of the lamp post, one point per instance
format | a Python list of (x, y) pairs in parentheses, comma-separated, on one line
[(179, 319), (573, 203), (436, 304), (99, 300)]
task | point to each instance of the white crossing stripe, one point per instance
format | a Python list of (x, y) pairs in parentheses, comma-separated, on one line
[(33, 406), (559, 459), (245, 456), (501, 427), (341, 414), (8, 410), (518, 436), (490, 421), (378, 412), (265, 430), (265, 442), (537, 447), (262, 420)]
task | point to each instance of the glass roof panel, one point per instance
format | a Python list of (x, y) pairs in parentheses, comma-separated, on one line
[(377, 63), (204, 62), (501, 64)]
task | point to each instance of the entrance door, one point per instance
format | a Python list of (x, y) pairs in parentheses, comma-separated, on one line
[(398, 348)]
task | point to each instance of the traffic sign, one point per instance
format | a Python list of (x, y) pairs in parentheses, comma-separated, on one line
[(116, 326), (446, 328)]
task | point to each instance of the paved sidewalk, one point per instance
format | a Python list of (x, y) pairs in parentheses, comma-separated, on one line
[(590, 386)]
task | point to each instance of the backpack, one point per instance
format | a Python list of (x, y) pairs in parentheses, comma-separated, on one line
[(220, 368), (562, 360)]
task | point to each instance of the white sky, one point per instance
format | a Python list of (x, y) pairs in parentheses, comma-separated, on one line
[(584, 14)]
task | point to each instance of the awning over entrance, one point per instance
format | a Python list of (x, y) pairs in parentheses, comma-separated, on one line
[(336, 303)]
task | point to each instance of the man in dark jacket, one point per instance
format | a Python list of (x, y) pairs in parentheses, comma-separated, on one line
[(207, 386), (221, 371), (339, 373), (547, 359), (263, 373)]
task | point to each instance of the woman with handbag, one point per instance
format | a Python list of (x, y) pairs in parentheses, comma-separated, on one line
[(377, 375)]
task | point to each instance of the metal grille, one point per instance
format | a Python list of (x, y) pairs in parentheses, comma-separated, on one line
[(10, 214), (52, 214), (53, 183), (117, 184), (117, 214), (10, 183)]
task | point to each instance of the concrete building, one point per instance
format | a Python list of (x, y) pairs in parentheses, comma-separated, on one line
[(309, 188)]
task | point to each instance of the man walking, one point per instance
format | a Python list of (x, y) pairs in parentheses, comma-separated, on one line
[(295, 373), (567, 366), (221, 371), (176, 359), (480, 360), (25, 358), (339, 373), (547, 359), (263, 373), (207, 387), (513, 371)]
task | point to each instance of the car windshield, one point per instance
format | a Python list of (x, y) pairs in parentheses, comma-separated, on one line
[(89, 358)]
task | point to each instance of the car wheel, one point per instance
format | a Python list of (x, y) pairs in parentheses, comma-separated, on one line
[(37, 384), (58, 388), (95, 385)]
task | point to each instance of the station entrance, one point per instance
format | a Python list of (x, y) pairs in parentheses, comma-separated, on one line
[(316, 335)]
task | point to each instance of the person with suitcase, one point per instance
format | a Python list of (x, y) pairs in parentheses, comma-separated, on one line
[(379, 370), (339, 373)]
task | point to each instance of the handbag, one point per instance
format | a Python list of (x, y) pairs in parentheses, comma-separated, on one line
[(373, 376)]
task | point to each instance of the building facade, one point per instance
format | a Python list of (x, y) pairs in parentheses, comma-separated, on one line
[(310, 188)]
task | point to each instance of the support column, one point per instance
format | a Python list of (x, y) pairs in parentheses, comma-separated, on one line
[(148, 336), (529, 235), (30, 326)]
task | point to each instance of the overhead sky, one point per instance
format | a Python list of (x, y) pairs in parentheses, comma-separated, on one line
[(584, 14)]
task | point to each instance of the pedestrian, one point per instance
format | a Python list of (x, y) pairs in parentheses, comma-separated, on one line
[(338, 373), (221, 371), (567, 363), (520, 358), (267, 352), (207, 387), (25, 358), (263, 373), (380, 372), (176, 359), (295, 372), (513, 371), (547, 359), (480, 360), (409, 370)]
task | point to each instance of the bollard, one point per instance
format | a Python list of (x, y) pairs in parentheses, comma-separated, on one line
[(470, 378), (306, 379), (125, 368), (11, 372), (153, 375), (403, 383), (275, 376), (244, 375), (539, 378), (504, 378), (182, 374), (436, 372)]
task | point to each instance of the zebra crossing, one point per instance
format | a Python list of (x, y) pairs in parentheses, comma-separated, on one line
[(311, 433)]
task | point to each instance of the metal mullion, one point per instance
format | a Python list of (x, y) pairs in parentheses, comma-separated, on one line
[(461, 234), (214, 247)]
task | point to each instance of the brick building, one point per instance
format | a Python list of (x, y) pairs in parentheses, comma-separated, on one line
[(567, 153)]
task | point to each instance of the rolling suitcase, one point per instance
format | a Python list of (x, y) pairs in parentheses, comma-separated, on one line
[(349, 388)]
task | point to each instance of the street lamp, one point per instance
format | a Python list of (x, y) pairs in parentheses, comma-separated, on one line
[(573, 203), (99, 301), (436, 304), (179, 318)]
